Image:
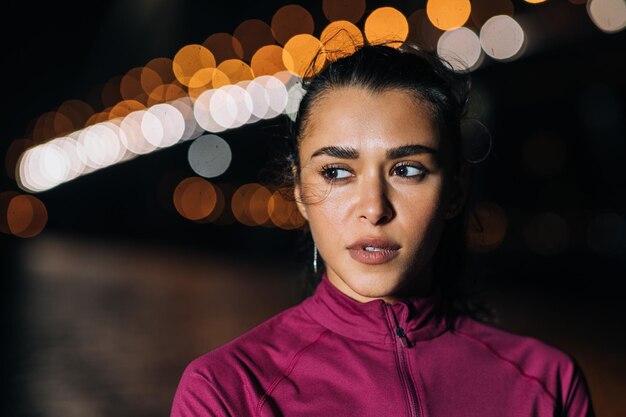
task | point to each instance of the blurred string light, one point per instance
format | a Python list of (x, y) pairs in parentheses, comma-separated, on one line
[(254, 74)]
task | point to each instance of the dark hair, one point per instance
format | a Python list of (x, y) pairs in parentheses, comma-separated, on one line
[(431, 80)]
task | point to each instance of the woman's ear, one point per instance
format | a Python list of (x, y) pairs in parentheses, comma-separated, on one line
[(297, 193), (460, 186)]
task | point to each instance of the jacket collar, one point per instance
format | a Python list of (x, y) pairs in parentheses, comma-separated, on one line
[(374, 321)]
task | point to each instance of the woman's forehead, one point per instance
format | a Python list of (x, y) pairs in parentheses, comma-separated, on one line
[(366, 120)]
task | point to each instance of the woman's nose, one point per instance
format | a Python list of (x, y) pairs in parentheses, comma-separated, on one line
[(375, 206)]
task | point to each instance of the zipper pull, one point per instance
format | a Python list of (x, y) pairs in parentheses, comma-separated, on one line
[(402, 336)]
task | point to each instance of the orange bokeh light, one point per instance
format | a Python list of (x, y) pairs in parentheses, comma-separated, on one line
[(189, 60), (291, 20), (130, 85), (165, 93), (258, 208), (304, 55), (341, 38), (111, 94), (156, 72), (236, 70), (350, 10), (195, 198), (76, 111), (284, 213), (26, 216), (386, 25), (44, 127), (206, 79), (224, 46), (268, 61), (5, 199), (448, 14), (253, 35), (240, 203), (124, 108)]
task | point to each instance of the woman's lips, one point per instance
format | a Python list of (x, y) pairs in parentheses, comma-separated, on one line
[(373, 251)]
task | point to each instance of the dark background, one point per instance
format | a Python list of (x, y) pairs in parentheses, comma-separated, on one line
[(556, 116)]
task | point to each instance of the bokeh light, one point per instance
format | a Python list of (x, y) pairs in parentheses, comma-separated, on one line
[(268, 60), (77, 111), (608, 15), (448, 14), (163, 125), (258, 206), (209, 156), (291, 20), (132, 136), (350, 10), (5, 199), (483, 10), (230, 106), (502, 38), (165, 93), (422, 32), (487, 227), (26, 216), (460, 48), (223, 46), (44, 127), (253, 34), (124, 108), (202, 112), (130, 86), (205, 79), (192, 128), (283, 212), (303, 55), (240, 203), (606, 234), (195, 198), (156, 72), (386, 25), (547, 234), (269, 97), (236, 70), (294, 97), (191, 59), (341, 38), (111, 93)]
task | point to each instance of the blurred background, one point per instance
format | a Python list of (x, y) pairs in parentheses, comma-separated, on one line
[(143, 229)]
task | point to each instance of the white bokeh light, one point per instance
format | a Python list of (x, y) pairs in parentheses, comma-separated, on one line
[(461, 48), (502, 38), (163, 125), (209, 156), (608, 15), (202, 112)]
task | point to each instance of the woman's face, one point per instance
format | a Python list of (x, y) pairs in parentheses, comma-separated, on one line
[(374, 191)]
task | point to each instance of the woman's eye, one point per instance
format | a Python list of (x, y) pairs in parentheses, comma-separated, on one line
[(409, 171), (335, 173)]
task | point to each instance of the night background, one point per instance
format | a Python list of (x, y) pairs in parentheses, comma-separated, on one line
[(104, 307)]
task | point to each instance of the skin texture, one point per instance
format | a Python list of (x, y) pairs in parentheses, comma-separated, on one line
[(344, 199)]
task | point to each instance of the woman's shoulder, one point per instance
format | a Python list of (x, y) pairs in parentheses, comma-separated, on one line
[(265, 349), (502, 342), (530, 358)]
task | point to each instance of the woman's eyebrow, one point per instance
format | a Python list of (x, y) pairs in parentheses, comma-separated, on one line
[(393, 153)]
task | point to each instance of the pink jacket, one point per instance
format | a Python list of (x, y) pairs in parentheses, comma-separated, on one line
[(334, 356)]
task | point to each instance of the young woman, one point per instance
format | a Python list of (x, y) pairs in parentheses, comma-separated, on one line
[(379, 175)]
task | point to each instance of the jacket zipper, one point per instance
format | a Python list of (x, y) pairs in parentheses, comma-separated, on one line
[(407, 383)]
